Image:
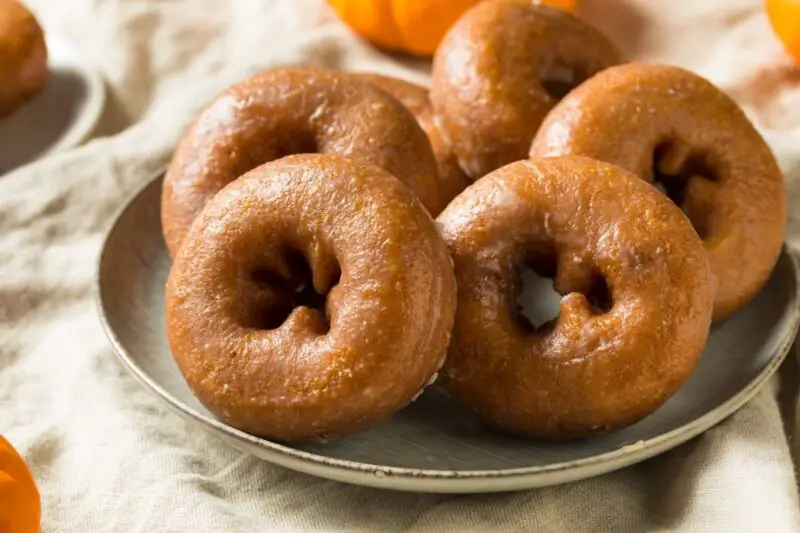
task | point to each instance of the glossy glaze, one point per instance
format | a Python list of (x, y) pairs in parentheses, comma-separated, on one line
[(328, 369), (667, 123), (501, 68), (289, 111), (434, 445), (23, 56), (593, 370), (452, 179)]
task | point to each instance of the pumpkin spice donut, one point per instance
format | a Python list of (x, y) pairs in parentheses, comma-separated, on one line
[(501, 68), (668, 125), (452, 179), (295, 367), (290, 111), (23, 56), (634, 316)]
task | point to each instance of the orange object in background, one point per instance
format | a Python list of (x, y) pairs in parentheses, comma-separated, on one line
[(412, 26), (20, 508), (566, 5), (784, 15)]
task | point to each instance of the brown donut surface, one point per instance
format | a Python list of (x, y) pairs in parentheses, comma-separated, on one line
[(300, 228), (289, 111), (664, 123), (501, 68), (452, 179), (23, 56), (634, 316)]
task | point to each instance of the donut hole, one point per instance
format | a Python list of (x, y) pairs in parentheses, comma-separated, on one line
[(599, 294), (268, 295), (558, 78), (675, 168), (258, 151), (538, 303), (298, 143), (258, 304)]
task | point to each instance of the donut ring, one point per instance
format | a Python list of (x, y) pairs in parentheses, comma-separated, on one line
[(289, 111), (23, 56), (501, 68), (611, 357), (665, 123), (452, 179), (330, 368)]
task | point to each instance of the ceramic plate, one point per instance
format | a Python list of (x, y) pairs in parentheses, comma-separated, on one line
[(59, 118), (434, 446)]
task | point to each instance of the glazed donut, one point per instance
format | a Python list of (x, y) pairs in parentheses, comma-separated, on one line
[(289, 111), (452, 179), (634, 316), (668, 125), (501, 68), (329, 368), (23, 56)]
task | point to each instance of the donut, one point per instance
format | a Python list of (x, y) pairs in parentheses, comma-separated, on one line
[(452, 179), (23, 56), (289, 111), (636, 306), (370, 291), (501, 68), (672, 127)]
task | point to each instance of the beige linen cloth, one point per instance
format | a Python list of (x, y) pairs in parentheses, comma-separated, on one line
[(109, 458)]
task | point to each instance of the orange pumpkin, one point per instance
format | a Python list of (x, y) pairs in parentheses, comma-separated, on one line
[(566, 5), (412, 26), (785, 18), (19, 498)]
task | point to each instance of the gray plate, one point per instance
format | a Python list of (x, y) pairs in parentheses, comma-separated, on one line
[(434, 446)]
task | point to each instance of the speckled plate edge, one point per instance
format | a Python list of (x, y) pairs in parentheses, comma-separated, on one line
[(446, 481)]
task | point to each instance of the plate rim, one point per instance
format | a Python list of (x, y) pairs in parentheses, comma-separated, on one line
[(404, 478), (81, 128)]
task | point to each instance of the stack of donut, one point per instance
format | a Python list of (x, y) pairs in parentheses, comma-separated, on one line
[(312, 293)]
